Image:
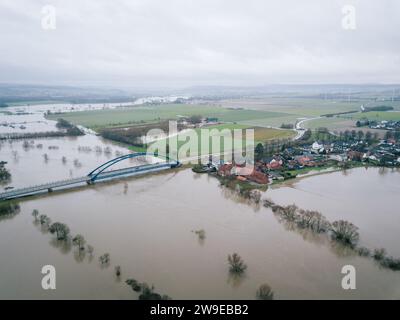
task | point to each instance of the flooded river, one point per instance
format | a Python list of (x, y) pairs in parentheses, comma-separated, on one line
[(146, 224)]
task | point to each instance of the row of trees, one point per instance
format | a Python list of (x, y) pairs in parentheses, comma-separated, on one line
[(341, 231), (62, 232)]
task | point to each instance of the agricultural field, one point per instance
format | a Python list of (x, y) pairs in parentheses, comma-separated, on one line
[(375, 115), (333, 123), (261, 135), (272, 121), (130, 115), (301, 107)]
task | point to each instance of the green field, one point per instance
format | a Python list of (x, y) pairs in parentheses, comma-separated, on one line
[(375, 115), (114, 117), (260, 136), (301, 107), (330, 123)]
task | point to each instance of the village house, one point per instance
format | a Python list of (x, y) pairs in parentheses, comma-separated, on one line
[(243, 173), (305, 161)]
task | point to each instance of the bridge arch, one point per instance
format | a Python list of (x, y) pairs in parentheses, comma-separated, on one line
[(94, 173)]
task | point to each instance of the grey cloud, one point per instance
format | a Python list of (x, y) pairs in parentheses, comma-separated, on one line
[(183, 42)]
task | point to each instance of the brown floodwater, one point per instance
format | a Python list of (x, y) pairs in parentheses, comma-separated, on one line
[(147, 229)]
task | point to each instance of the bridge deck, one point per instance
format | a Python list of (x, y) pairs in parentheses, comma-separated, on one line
[(106, 175)]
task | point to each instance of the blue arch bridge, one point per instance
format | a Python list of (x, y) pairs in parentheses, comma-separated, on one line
[(99, 174)]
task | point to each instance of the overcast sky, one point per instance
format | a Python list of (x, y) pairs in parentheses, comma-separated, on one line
[(202, 42)]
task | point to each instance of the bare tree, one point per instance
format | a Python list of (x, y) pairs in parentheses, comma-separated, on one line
[(345, 232)]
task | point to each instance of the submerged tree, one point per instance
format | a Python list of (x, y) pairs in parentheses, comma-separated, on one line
[(265, 292), (79, 241), (61, 230), (105, 258), (35, 214), (313, 220), (345, 232), (236, 264), (289, 212), (44, 220)]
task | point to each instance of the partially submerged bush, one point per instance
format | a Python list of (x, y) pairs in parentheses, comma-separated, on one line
[(148, 292), (134, 284), (379, 254), (264, 292), (390, 263), (201, 234), (117, 271)]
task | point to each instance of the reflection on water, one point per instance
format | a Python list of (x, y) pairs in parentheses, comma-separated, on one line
[(235, 280)]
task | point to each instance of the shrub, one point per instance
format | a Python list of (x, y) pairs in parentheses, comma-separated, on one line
[(379, 254), (391, 263), (201, 234), (135, 285), (264, 292)]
